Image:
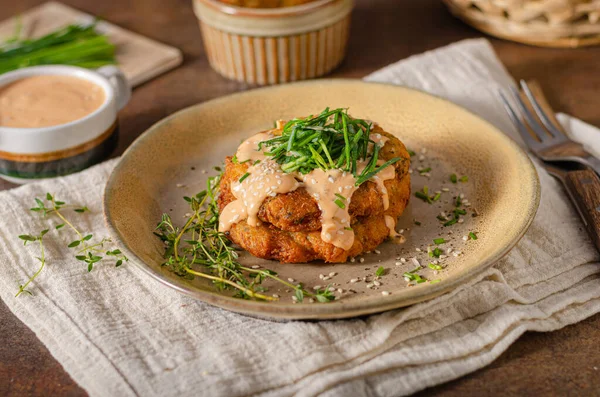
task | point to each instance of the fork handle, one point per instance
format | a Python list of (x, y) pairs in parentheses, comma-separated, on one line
[(592, 162), (584, 188)]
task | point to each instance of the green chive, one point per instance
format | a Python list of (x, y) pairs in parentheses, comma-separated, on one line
[(439, 241), (464, 178), (434, 266), (340, 203), (417, 223), (246, 175), (423, 197), (453, 178), (380, 271), (437, 196), (451, 222), (473, 236)]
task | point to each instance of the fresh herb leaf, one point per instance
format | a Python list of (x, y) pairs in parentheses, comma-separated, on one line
[(340, 203), (246, 175)]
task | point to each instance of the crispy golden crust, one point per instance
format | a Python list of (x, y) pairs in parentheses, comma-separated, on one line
[(290, 229)]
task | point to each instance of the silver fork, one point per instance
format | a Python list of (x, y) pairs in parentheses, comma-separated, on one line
[(552, 146), (547, 139)]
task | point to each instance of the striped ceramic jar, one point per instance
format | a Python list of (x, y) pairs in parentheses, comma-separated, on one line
[(271, 46)]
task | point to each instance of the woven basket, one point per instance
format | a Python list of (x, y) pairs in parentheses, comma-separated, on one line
[(548, 23)]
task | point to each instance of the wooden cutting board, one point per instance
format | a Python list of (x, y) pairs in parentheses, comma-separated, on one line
[(139, 57)]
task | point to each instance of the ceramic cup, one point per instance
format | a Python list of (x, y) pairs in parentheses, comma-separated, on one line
[(29, 154), (274, 45)]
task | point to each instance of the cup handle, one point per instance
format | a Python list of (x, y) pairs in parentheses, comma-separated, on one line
[(118, 80)]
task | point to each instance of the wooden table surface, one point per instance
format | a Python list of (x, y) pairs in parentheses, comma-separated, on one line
[(561, 363)]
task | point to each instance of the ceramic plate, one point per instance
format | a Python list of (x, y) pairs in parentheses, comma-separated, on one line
[(175, 156)]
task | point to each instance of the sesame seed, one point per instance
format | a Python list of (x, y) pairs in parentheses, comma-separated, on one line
[(321, 276), (410, 171), (294, 298), (465, 238), (370, 285), (340, 290), (421, 158), (376, 283), (398, 263), (445, 189), (255, 267), (352, 260), (316, 287), (403, 260), (332, 274), (354, 280), (362, 260), (311, 300), (377, 252), (291, 280), (275, 296), (385, 293), (418, 249), (331, 289), (460, 220), (415, 261)]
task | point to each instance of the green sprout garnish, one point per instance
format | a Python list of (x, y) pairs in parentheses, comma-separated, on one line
[(331, 140)]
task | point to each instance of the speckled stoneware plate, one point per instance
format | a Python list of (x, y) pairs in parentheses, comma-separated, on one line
[(175, 156)]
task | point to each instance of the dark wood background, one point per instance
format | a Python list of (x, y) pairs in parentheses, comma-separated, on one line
[(561, 363)]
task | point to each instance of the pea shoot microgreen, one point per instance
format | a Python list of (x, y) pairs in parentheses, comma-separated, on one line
[(198, 249)]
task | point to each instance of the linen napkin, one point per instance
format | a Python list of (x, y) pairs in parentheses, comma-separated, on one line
[(119, 333)]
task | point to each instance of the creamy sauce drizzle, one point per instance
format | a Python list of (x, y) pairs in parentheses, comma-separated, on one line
[(326, 187), (47, 100), (390, 222), (266, 179)]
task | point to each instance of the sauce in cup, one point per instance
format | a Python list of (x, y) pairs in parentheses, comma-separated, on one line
[(48, 100)]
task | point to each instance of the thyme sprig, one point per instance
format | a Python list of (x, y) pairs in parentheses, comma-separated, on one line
[(198, 249), (88, 251), (330, 140)]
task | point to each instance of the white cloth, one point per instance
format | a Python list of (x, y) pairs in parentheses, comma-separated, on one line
[(119, 333)]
